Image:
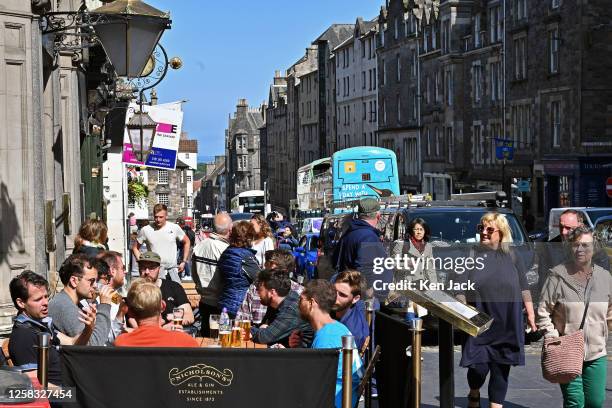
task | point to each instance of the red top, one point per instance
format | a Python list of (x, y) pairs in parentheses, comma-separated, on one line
[(152, 336)]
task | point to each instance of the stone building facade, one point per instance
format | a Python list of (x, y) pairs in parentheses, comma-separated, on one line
[(168, 187), (326, 67), (280, 154), (242, 150), (398, 91), (307, 90), (44, 108), (560, 98), (356, 87)]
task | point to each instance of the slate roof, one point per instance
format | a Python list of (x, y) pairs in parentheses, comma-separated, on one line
[(336, 34)]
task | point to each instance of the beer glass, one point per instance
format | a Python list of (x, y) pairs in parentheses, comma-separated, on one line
[(236, 334), (246, 326), (225, 335), (177, 318), (213, 323)]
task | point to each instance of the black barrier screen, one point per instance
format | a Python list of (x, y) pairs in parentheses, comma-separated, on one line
[(173, 377), (393, 372)]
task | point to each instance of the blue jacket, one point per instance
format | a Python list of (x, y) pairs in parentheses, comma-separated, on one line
[(356, 322), (238, 268), (358, 249)]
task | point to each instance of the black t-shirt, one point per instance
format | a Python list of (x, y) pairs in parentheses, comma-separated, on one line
[(173, 294), (23, 350)]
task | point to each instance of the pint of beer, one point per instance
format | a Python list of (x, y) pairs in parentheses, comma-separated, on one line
[(236, 336), (226, 338), (116, 298), (214, 330), (246, 327)]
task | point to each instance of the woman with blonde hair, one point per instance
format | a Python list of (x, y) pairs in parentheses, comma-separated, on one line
[(264, 238), (91, 238), (501, 291), (577, 295)]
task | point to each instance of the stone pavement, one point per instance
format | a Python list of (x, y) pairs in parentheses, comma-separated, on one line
[(527, 388)]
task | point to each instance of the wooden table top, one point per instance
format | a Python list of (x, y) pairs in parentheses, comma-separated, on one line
[(208, 342)]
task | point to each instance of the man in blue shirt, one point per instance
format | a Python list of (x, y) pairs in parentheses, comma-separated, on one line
[(315, 305), (349, 308)]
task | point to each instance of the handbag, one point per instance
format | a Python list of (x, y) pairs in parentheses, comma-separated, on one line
[(563, 356)]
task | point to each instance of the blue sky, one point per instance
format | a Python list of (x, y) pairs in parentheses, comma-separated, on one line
[(230, 50)]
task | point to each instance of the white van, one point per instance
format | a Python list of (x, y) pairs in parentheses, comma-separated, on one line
[(590, 215)]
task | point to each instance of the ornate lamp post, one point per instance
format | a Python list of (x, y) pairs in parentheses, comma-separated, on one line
[(129, 31)]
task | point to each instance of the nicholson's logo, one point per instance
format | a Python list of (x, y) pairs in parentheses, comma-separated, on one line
[(201, 372)]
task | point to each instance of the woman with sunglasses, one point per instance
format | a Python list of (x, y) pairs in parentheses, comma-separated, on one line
[(501, 291), (564, 296)]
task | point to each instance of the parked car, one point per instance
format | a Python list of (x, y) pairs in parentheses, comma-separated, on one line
[(453, 224), (306, 254), (590, 215)]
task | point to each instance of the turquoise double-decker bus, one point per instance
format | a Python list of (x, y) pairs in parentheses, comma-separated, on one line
[(364, 171)]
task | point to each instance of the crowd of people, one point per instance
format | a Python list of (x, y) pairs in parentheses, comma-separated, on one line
[(247, 270)]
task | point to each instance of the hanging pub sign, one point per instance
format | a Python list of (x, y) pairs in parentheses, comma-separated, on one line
[(169, 120)]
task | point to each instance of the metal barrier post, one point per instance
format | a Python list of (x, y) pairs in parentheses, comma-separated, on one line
[(417, 330), (348, 345), (44, 340), (446, 364), (369, 317)]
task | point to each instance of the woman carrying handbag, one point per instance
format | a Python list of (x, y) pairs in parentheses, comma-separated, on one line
[(575, 314)]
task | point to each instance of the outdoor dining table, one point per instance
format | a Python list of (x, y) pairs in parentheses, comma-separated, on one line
[(208, 342)]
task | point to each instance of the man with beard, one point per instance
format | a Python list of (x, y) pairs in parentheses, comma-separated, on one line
[(282, 317), (116, 280), (349, 308), (173, 294)]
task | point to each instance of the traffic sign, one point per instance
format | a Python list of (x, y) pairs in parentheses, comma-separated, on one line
[(609, 187), (504, 149), (523, 186)]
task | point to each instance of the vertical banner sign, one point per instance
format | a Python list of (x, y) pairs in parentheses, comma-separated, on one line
[(504, 149), (169, 119)]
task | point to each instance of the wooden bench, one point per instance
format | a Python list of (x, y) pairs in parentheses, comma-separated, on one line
[(192, 294)]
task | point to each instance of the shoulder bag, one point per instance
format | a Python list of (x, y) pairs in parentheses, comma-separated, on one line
[(563, 356)]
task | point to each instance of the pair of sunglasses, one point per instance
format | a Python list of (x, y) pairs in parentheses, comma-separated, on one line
[(488, 230)]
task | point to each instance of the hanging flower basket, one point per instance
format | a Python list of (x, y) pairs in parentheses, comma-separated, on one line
[(137, 191)]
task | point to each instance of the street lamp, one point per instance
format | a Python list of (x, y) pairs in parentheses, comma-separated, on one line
[(141, 131), (128, 30), (130, 33)]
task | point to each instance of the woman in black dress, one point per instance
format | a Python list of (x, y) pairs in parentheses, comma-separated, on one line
[(500, 291)]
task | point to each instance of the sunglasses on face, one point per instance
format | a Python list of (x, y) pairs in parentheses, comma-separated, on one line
[(489, 230)]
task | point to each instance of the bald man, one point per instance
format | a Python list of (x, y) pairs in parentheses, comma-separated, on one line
[(204, 263)]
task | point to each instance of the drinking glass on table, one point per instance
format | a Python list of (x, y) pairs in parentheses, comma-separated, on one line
[(177, 318), (213, 324), (225, 335), (245, 325), (236, 334)]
